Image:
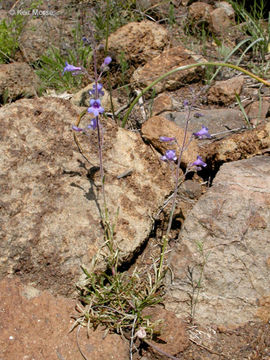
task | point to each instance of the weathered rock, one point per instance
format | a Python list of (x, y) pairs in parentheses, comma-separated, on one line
[(223, 92), (169, 60), (199, 11), (258, 111), (219, 21), (17, 80), (82, 97), (162, 103), (173, 337), (238, 146), (227, 7), (139, 41), (36, 325), (158, 126), (51, 196), (38, 35), (224, 245)]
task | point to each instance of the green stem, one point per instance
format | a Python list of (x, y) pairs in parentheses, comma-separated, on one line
[(185, 67)]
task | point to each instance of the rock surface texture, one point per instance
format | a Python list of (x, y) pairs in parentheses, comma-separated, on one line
[(166, 61), (36, 325), (17, 80), (51, 196), (138, 41), (225, 244)]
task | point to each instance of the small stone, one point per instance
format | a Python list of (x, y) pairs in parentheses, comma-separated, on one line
[(162, 103), (223, 92)]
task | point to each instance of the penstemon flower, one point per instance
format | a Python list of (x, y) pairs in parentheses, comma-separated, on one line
[(75, 70), (203, 133), (170, 155), (95, 107), (198, 163)]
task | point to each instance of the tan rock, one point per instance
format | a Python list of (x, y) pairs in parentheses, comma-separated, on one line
[(239, 146), (162, 103), (223, 92), (227, 7), (17, 80), (168, 60), (219, 21), (139, 41), (36, 325), (51, 195), (258, 110), (82, 98), (199, 11), (158, 126)]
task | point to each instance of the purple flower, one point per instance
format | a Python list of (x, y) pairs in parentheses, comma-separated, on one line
[(100, 92), (93, 124), (198, 163), (95, 107), (185, 103), (169, 156), (203, 133), (166, 138), (107, 60), (71, 68), (75, 128)]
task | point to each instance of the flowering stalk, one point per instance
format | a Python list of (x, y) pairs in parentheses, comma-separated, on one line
[(96, 109)]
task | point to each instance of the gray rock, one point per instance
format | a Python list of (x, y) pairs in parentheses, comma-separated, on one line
[(226, 239), (217, 120)]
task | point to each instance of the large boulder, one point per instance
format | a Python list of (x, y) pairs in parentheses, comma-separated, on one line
[(221, 265), (51, 195)]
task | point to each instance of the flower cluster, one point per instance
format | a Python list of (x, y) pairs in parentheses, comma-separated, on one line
[(95, 107), (170, 155)]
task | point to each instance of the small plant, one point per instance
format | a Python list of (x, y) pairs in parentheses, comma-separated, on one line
[(9, 34), (50, 66), (255, 26), (117, 14)]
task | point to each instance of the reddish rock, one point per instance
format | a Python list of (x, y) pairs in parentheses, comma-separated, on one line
[(139, 41), (158, 126), (199, 11), (223, 92), (162, 103), (168, 60), (239, 146), (36, 325), (173, 338), (258, 110)]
